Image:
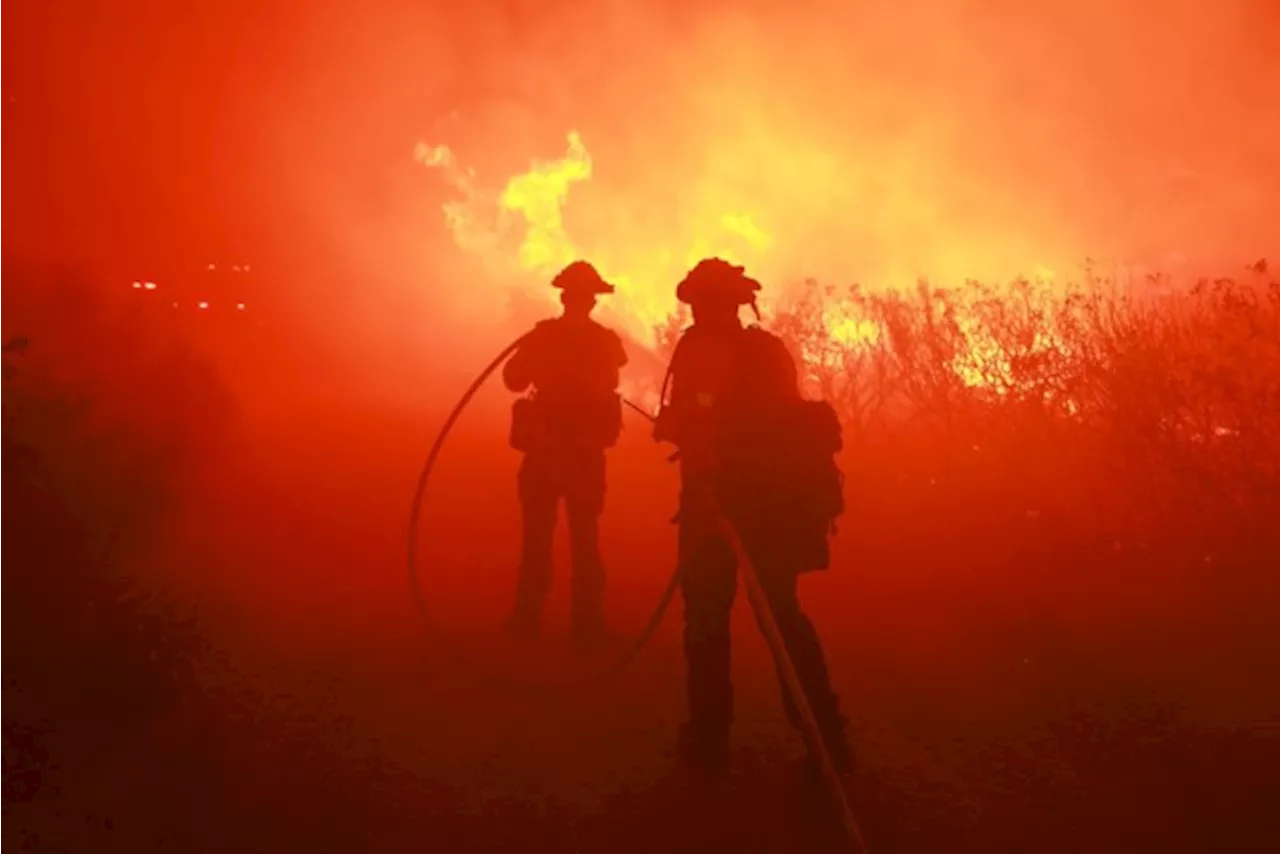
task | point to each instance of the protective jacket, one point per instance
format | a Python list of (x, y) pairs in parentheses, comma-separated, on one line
[(572, 365)]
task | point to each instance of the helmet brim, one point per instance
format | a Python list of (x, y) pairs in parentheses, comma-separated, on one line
[(739, 292), (600, 288)]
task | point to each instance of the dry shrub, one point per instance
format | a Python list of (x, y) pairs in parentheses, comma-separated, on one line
[(1163, 402), (1053, 462), (107, 427), (1172, 394), (1062, 466)]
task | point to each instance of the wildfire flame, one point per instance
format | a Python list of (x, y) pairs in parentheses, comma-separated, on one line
[(532, 205), (521, 231)]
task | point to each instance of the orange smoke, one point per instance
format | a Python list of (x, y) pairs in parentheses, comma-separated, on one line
[(520, 231), (520, 228), (878, 145)]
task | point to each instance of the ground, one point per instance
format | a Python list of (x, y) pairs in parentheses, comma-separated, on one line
[(324, 718)]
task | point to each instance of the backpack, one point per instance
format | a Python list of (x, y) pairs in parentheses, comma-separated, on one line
[(779, 474)]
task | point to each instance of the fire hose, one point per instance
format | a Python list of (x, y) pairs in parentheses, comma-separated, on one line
[(810, 729), (419, 596)]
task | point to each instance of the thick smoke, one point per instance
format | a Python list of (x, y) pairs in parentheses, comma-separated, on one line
[(875, 140), (885, 141)]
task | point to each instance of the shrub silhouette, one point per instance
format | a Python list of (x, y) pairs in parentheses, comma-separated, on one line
[(1054, 434), (105, 427)]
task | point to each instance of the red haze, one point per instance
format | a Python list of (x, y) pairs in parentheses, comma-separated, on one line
[(1032, 621)]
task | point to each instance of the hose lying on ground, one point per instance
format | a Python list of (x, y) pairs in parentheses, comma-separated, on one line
[(787, 668)]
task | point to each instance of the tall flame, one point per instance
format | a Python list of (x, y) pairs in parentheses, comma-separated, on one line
[(540, 196), (521, 232), (532, 205)]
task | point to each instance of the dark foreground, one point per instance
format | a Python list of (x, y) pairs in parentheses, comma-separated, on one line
[(319, 719)]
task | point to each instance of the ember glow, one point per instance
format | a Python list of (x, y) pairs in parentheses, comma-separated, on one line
[(206, 290)]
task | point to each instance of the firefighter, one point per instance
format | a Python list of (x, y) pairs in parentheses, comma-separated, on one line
[(569, 366), (747, 444)]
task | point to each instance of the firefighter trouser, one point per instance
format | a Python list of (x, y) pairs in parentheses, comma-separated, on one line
[(709, 585), (577, 476)]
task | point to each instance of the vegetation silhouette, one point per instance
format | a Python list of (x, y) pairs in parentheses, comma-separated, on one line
[(106, 425)]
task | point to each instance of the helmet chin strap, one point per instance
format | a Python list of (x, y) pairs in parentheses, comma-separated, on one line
[(755, 309)]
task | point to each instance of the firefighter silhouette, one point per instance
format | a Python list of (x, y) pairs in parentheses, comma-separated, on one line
[(751, 447), (563, 426)]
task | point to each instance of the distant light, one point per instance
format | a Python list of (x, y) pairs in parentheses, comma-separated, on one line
[(245, 268), (151, 286), (202, 304), (235, 268), (137, 285), (175, 305), (239, 306), (212, 267)]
